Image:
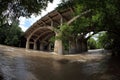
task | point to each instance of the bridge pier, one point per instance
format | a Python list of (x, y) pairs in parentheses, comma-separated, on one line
[(72, 47), (35, 45), (78, 46), (58, 47), (42, 46), (49, 47), (28, 43), (81, 45)]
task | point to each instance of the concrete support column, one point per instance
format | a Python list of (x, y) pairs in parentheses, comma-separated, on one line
[(28, 43), (49, 47), (51, 23), (41, 46), (58, 47), (79, 45), (72, 47), (84, 46), (35, 45), (61, 20)]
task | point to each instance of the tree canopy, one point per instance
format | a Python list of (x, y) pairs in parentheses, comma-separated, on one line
[(13, 9), (11, 34), (104, 16), (25, 8)]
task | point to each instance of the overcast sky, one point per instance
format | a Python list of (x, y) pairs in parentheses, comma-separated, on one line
[(25, 23)]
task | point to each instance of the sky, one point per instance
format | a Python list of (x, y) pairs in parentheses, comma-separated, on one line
[(25, 23)]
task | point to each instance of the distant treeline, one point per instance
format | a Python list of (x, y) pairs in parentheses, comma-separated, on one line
[(12, 35)]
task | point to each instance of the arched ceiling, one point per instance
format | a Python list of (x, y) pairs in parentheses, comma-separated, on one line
[(41, 34)]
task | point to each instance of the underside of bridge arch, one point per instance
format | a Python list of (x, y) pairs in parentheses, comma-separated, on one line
[(40, 40)]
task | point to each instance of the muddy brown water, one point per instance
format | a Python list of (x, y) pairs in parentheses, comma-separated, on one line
[(21, 64)]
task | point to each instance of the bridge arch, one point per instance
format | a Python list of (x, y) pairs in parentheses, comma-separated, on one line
[(42, 30), (40, 36)]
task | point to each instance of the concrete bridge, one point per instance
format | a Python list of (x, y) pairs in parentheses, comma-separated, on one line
[(41, 31)]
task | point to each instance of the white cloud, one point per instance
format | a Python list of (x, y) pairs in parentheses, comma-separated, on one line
[(25, 23)]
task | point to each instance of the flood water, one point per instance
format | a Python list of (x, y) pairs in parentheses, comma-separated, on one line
[(21, 64)]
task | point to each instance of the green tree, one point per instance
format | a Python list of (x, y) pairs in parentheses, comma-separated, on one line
[(3, 33), (92, 44), (104, 16), (104, 41), (25, 8), (11, 10), (13, 35)]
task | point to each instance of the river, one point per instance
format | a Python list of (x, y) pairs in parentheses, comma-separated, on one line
[(22, 64)]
